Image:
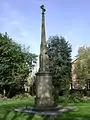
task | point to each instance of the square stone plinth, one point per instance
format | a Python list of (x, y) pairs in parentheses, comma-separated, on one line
[(44, 96)]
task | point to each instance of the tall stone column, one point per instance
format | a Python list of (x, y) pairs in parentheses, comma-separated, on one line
[(44, 96), (43, 58)]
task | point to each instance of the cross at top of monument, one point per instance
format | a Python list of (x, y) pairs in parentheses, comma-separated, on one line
[(43, 9), (43, 58)]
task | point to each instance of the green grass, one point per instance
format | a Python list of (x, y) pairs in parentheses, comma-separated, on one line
[(7, 113)]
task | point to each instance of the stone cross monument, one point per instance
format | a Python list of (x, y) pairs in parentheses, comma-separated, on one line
[(44, 102), (44, 96)]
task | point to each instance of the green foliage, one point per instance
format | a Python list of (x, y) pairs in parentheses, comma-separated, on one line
[(2, 97), (62, 99), (59, 51), (16, 62), (76, 98), (82, 66), (21, 96)]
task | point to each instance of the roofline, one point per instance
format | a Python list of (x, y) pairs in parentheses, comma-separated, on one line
[(74, 60)]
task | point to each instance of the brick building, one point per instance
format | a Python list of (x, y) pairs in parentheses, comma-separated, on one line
[(76, 82)]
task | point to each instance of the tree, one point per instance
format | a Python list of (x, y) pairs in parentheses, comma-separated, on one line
[(59, 51), (16, 62), (82, 66)]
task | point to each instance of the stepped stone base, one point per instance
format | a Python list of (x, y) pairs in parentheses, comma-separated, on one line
[(54, 112)]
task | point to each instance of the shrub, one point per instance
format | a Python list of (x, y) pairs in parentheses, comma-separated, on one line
[(2, 97), (61, 99), (76, 97), (21, 96)]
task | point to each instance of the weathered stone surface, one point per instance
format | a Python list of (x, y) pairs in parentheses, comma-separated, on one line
[(44, 97), (43, 58)]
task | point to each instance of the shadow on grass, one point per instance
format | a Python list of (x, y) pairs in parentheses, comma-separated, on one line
[(72, 116), (11, 115), (68, 116), (7, 110), (30, 117)]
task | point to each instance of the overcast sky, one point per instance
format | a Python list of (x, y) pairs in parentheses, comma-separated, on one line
[(21, 19)]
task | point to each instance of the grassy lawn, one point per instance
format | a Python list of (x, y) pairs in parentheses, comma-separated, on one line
[(7, 113)]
